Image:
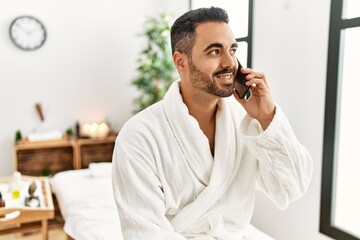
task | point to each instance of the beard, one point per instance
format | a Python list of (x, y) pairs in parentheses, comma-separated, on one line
[(208, 84)]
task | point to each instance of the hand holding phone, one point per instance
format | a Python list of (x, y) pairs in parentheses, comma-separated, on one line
[(239, 84)]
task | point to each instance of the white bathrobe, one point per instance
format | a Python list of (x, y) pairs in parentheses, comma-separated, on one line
[(168, 186)]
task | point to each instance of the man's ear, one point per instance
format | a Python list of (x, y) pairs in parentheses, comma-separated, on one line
[(180, 60)]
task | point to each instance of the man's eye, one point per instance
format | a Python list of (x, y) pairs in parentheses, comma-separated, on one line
[(233, 51), (215, 52)]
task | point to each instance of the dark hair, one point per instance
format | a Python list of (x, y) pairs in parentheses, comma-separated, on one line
[(183, 29)]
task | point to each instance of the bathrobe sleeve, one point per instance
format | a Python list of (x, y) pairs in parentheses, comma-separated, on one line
[(285, 166), (137, 191)]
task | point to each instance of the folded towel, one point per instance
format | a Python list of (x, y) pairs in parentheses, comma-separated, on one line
[(45, 136), (102, 169)]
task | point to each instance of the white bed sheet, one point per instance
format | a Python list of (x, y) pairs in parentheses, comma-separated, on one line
[(87, 205)]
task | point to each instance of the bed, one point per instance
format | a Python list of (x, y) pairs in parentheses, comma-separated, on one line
[(86, 203)]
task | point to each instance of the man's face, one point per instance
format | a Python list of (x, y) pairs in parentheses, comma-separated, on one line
[(213, 65)]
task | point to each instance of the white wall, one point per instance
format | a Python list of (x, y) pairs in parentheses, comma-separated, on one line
[(84, 70), (82, 73), (290, 46)]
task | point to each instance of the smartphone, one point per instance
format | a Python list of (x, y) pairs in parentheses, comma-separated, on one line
[(239, 84)]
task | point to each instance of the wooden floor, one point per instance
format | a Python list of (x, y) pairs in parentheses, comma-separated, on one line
[(54, 234)]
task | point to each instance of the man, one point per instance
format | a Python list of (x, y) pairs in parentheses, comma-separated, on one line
[(187, 167)]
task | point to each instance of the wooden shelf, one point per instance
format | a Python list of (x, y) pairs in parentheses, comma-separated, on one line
[(50, 157), (28, 214)]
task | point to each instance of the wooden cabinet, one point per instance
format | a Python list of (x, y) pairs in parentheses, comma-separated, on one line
[(48, 158)]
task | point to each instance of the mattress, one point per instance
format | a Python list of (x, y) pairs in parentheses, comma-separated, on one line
[(86, 203)]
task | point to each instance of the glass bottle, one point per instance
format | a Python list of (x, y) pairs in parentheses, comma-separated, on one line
[(15, 185)]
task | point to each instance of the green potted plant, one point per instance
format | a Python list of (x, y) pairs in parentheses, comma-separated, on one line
[(18, 136), (155, 67)]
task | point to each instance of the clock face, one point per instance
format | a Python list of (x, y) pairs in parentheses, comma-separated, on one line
[(27, 33)]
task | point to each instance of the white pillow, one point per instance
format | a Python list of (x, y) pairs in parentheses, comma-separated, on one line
[(102, 169)]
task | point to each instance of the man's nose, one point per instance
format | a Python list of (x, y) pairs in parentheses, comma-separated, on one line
[(228, 61)]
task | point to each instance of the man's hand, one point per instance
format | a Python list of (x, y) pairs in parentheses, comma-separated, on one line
[(260, 105)]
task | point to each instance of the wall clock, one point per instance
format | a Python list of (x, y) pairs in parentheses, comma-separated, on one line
[(27, 33)]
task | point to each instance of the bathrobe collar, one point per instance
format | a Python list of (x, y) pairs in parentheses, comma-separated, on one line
[(215, 172)]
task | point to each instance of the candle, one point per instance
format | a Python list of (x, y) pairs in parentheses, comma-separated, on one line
[(85, 130), (103, 130), (95, 130)]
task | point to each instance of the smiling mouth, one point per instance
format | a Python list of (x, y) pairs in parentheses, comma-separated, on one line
[(225, 77)]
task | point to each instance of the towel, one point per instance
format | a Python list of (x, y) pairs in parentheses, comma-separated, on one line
[(45, 136)]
